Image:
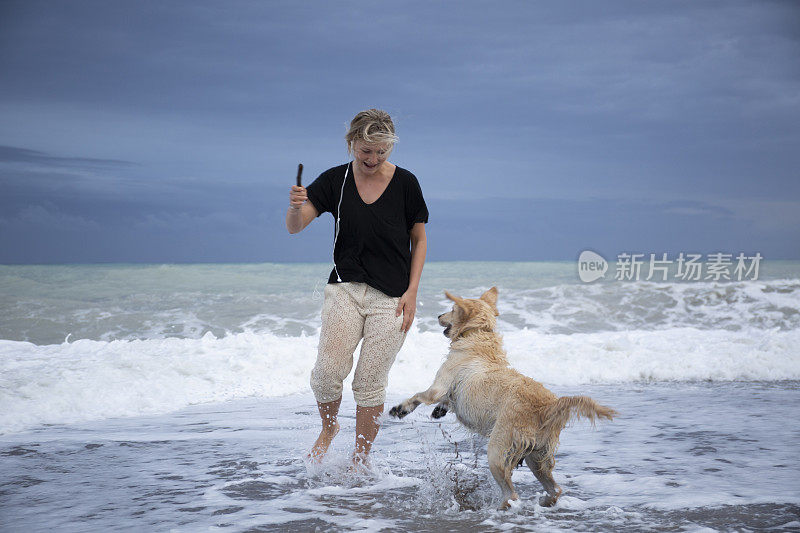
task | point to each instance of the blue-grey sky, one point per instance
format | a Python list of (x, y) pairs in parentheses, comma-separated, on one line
[(171, 131)]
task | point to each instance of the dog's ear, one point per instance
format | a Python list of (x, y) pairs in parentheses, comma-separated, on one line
[(458, 301), (490, 297)]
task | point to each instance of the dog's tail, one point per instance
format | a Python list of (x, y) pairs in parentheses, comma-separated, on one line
[(567, 408)]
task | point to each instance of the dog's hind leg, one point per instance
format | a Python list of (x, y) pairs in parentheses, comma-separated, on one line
[(501, 465), (542, 467)]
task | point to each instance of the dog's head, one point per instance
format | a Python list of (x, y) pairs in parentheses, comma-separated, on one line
[(470, 314)]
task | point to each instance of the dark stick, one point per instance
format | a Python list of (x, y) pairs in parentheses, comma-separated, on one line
[(299, 174)]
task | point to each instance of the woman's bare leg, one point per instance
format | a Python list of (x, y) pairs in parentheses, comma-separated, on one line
[(330, 427), (367, 426)]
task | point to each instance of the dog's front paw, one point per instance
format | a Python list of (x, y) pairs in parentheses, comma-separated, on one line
[(398, 411), (439, 411)]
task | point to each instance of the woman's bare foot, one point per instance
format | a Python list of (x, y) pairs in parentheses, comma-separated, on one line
[(323, 442), (361, 465)]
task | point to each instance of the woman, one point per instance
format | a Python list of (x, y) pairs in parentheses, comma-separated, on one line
[(379, 250)]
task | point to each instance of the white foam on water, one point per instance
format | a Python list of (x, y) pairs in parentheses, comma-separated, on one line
[(43, 304), (681, 354), (209, 429), (676, 453), (90, 380), (618, 306)]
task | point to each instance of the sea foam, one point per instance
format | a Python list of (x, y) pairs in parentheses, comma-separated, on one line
[(91, 379)]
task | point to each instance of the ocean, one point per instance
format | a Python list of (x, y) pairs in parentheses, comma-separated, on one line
[(176, 398)]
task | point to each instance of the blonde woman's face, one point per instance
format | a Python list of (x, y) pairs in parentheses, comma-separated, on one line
[(370, 157)]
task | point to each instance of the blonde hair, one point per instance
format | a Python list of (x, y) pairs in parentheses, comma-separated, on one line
[(373, 126)]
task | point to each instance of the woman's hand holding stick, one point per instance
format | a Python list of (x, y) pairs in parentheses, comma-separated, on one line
[(298, 195)]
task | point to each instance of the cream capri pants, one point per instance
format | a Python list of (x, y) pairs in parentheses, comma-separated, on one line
[(350, 312)]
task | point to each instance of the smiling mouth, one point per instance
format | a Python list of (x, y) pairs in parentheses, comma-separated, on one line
[(447, 330)]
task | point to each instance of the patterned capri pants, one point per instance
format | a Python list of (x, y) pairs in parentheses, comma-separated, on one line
[(350, 312)]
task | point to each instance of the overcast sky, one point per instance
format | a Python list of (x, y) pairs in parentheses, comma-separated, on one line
[(171, 131)]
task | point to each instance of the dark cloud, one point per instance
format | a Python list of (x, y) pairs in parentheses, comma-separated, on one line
[(171, 131), (12, 154)]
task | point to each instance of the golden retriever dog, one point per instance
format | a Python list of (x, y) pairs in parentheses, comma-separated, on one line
[(522, 419)]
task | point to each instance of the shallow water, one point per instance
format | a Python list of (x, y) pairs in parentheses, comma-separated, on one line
[(680, 457), (92, 342), (209, 365)]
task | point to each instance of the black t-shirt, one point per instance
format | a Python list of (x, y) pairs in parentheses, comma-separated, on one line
[(374, 244)]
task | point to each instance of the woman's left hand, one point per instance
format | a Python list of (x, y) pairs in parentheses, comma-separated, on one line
[(408, 306)]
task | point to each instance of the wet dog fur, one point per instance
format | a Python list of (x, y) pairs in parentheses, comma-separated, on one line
[(522, 419)]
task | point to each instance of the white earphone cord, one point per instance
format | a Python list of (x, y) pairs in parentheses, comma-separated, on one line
[(338, 220)]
